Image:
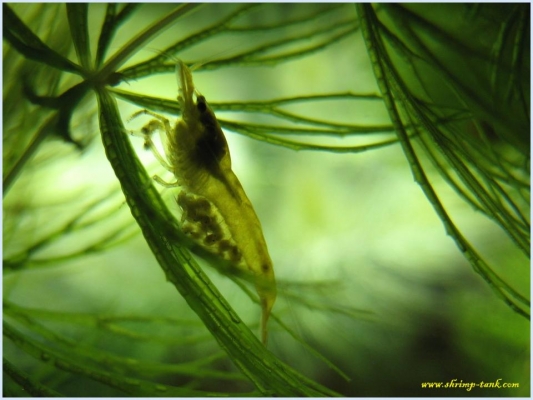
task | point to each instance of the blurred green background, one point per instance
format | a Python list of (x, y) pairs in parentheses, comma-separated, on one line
[(367, 275)]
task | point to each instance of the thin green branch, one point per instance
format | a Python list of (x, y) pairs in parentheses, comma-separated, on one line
[(112, 239), (269, 108), (497, 192), (28, 385), (80, 365), (251, 57), (110, 25), (293, 334), (267, 129), (511, 129), (113, 323), (400, 11), (520, 71), (138, 41), (283, 25), (255, 132), (443, 169), (450, 150), (30, 46), (77, 14), (484, 155), (118, 364), (390, 85), (491, 206), (517, 220), (156, 64), (23, 258), (106, 33), (150, 102), (45, 129)]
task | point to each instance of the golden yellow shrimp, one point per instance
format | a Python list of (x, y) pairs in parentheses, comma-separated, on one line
[(217, 214)]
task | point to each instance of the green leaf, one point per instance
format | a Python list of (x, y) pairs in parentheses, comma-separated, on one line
[(77, 14), (25, 41)]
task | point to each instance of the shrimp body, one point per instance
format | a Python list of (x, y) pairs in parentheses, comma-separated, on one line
[(216, 213)]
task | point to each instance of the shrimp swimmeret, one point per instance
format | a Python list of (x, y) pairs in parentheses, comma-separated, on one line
[(216, 213)]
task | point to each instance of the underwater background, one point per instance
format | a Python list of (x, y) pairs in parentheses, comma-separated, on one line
[(385, 149)]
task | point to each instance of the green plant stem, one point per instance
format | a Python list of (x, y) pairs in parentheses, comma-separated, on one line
[(134, 44), (388, 81), (29, 45), (77, 14), (39, 137), (80, 365), (29, 385)]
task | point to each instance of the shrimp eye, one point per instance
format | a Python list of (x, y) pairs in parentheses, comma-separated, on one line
[(201, 104)]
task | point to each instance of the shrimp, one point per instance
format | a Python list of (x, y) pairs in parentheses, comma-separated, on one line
[(216, 213)]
